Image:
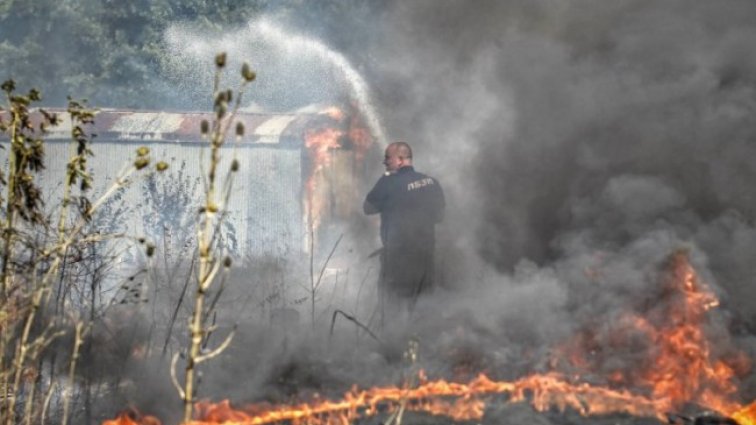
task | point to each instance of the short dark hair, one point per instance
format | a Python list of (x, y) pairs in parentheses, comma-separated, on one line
[(403, 149)]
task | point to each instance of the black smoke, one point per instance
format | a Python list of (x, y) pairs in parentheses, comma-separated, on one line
[(569, 130)]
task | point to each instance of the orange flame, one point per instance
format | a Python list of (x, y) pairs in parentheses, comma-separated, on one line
[(682, 368), (343, 128), (681, 371), (746, 415), (434, 398), (545, 392), (333, 112), (360, 137), (318, 143), (130, 418)]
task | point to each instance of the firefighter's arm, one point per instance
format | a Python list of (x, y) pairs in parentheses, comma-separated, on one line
[(374, 200), (369, 208)]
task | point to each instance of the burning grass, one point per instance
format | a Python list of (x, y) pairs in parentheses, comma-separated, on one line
[(681, 371)]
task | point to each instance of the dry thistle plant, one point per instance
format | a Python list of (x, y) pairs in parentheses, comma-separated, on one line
[(211, 216), (410, 382), (33, 249)]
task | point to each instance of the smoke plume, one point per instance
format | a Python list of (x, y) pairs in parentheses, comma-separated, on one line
[(583, 134), (580, 145)]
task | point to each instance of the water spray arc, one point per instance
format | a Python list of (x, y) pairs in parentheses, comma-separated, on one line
[(297, 43), (273, 48)]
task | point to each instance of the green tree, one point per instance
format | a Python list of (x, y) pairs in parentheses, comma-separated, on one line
[(107, 51)]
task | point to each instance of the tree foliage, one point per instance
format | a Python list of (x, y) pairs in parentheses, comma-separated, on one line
[(113, 53), (108, 51)]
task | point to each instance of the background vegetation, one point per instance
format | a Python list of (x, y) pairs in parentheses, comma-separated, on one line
[(112, 52)]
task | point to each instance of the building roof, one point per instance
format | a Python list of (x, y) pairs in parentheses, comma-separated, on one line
[(184, 127)]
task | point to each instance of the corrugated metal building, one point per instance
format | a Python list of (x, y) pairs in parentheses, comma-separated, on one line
[(280, 171)]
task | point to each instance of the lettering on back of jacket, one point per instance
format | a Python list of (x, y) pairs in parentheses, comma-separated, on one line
[(417, 184)]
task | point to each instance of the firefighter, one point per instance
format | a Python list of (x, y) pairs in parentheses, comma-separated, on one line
[(410, 205)]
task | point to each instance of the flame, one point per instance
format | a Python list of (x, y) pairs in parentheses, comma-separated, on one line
[(318, 144), (684, 369), (746, 415), (333, 112), (360, 137), (681, 370), (341, 128), (132, 418), (455, 400)]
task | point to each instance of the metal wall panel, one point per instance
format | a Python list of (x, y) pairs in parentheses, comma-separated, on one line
[(264, 206)]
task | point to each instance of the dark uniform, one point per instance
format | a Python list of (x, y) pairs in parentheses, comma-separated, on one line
[(410, 204)]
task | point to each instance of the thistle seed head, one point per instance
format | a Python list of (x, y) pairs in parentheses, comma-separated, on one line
[(8, 86), (35, 95), (141, 162), (247, 73), (220, 59)]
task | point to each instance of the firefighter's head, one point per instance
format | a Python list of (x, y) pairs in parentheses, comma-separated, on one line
[(398, 155)]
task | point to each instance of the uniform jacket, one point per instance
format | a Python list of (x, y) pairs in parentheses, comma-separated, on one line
[(410, 204)]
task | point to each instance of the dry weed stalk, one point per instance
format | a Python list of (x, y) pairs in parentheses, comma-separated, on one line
[(409, 383), (78, 341), (29, 263), (315, 284), (211, 258), (354, 320)]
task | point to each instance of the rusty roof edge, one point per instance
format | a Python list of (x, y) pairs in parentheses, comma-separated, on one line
[(240, 112), (184, 127)]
